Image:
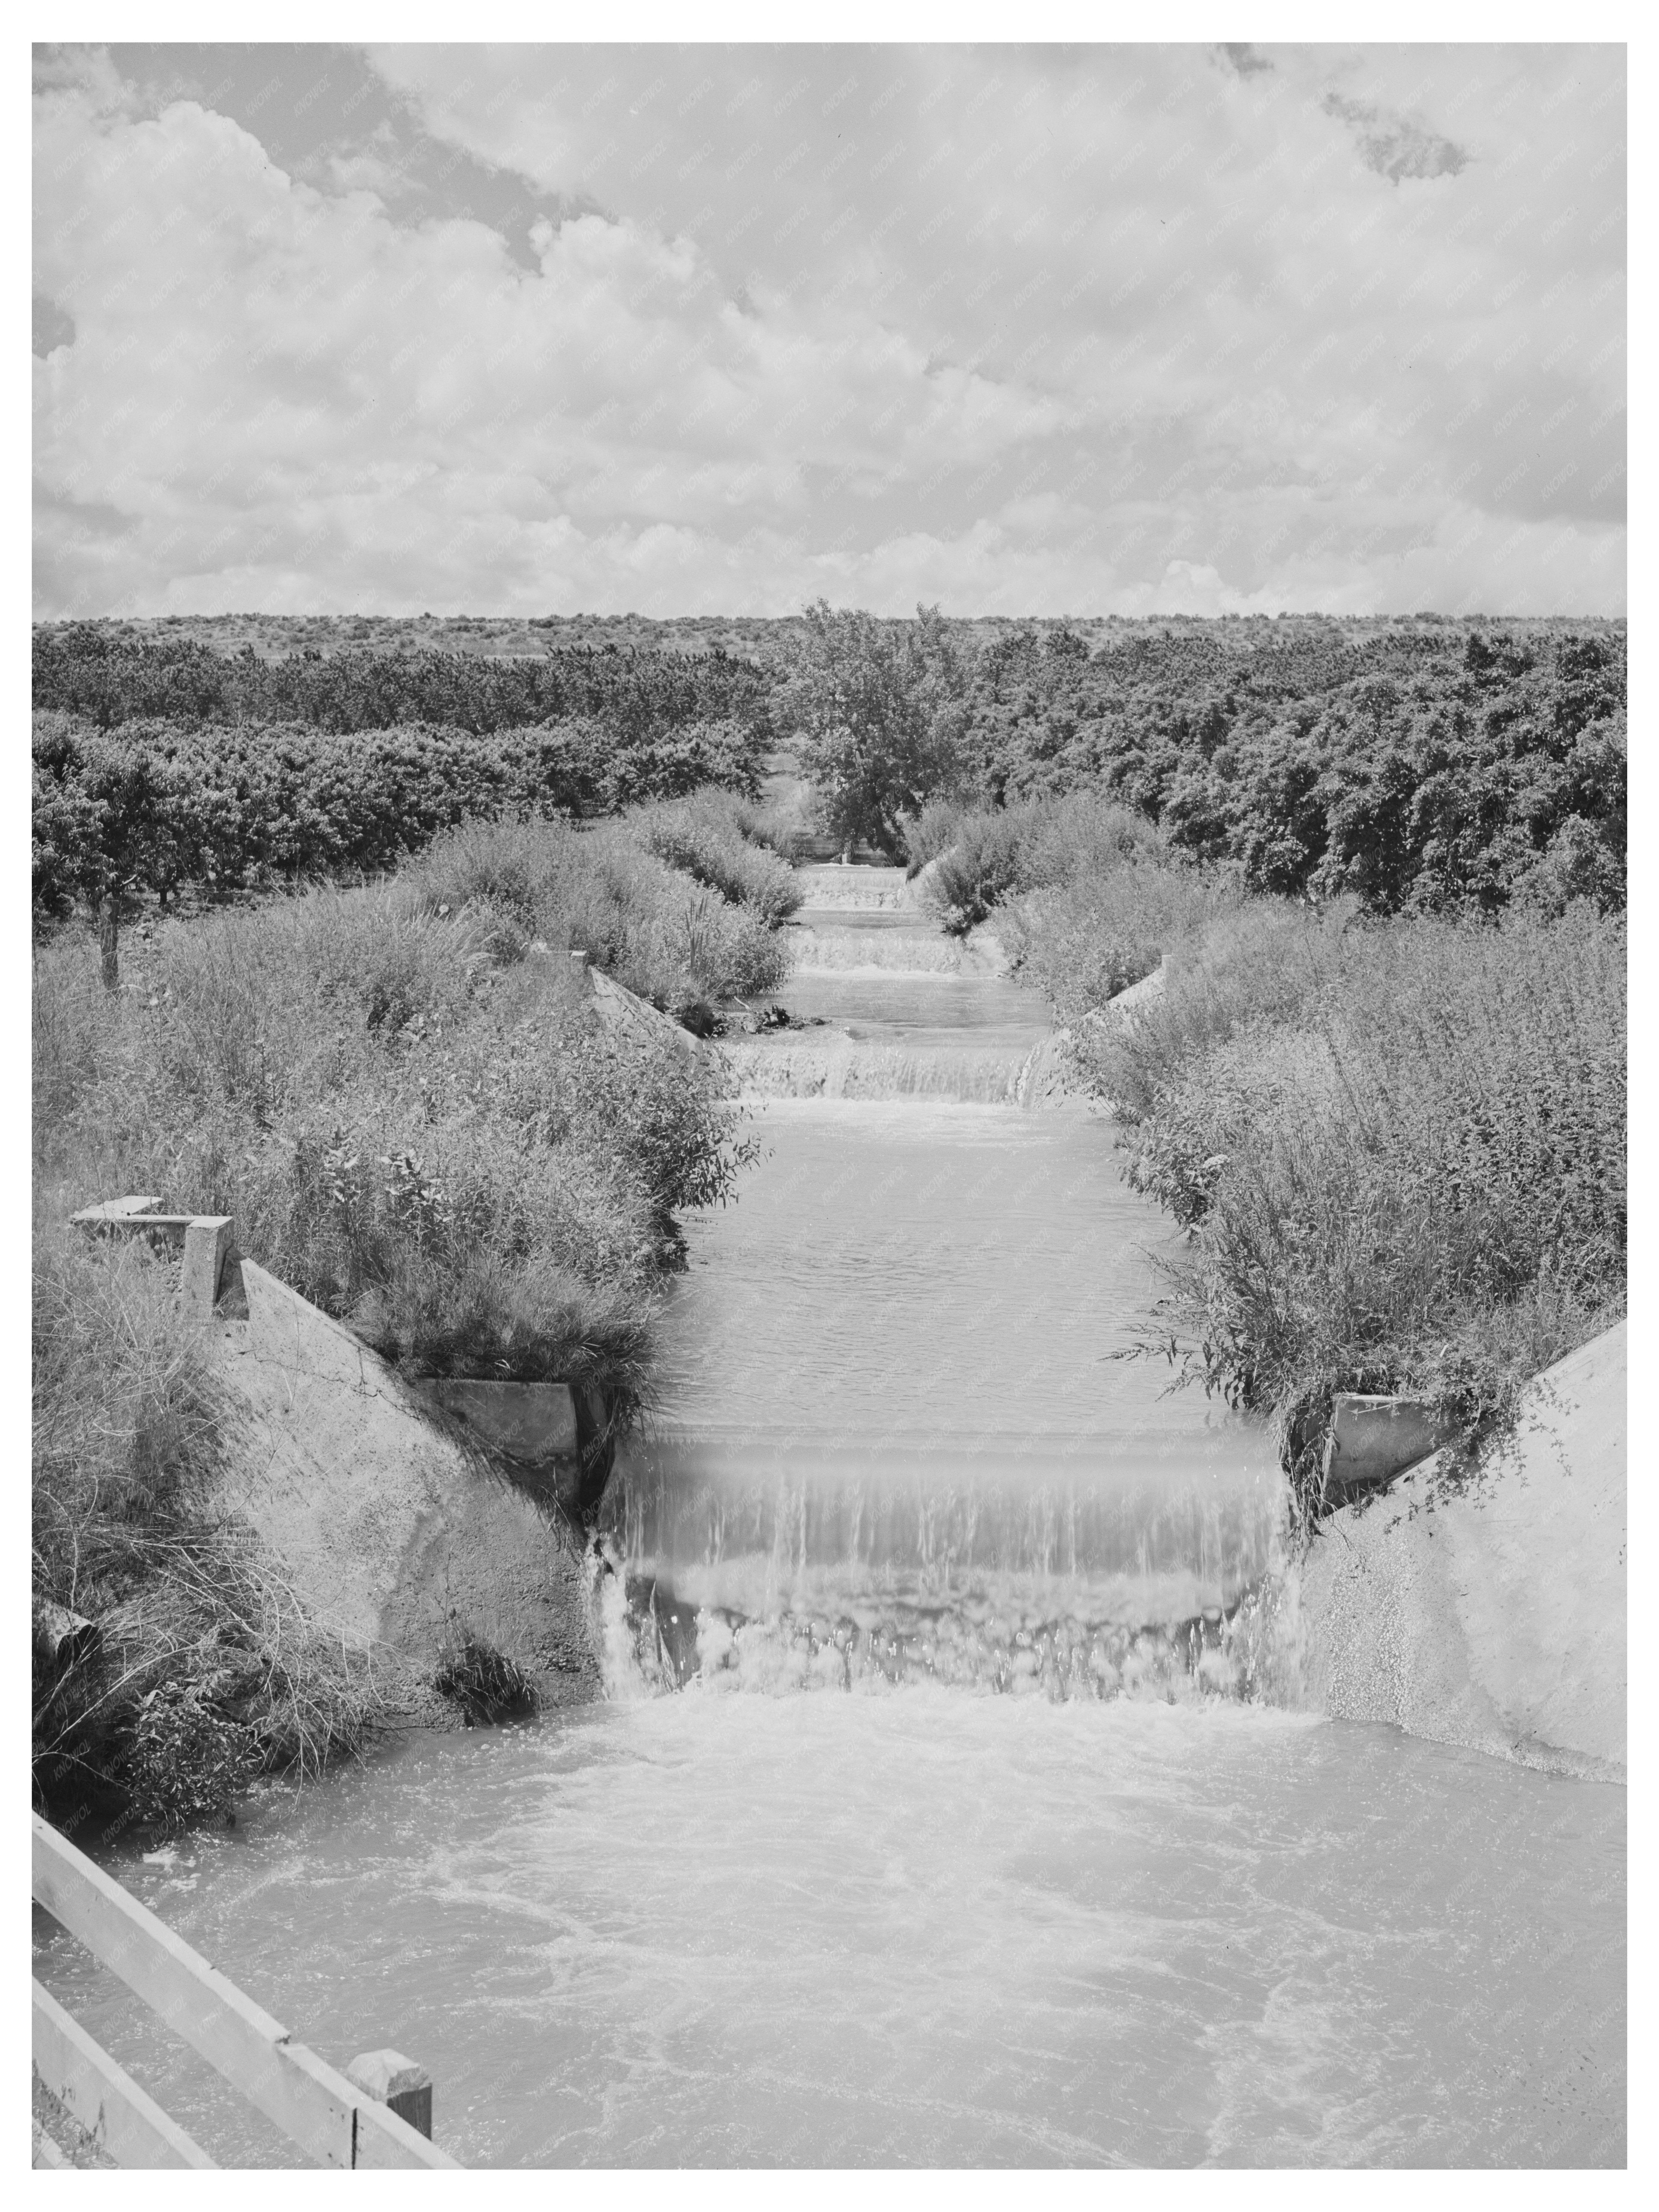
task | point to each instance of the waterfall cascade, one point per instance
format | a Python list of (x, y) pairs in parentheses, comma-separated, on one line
[(897, 1446)]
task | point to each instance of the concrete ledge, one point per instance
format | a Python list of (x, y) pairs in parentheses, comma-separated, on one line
[(114, 1210), (204, 1238), (1374, 1439)]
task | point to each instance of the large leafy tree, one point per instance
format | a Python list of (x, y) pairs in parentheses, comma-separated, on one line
[(104, 825), (873, 710)]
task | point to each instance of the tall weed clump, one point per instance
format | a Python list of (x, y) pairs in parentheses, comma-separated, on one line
[(1094, 933), (405, 1098), (1250, 962), (1084, 892), (205, 1670), (1400, 1151), (661, 932), (715, 838), (414, 1117), (1088, 896)]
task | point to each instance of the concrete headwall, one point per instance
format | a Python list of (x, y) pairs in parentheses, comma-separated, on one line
[(1492, 1614), (623, 1014), (1047, 1079), (393, 1527)]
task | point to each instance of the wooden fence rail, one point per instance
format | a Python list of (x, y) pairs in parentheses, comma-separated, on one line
[(335, 2121)]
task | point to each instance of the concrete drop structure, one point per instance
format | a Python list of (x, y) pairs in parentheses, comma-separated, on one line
[(1491, 1612)]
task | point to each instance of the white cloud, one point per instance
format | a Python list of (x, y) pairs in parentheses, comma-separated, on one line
[(1128, 330)]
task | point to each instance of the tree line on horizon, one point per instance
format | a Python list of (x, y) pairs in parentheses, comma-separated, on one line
[(1429, 768)]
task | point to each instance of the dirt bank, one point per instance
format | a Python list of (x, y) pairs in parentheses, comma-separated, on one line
[(1491, 1613), (398, 1535)]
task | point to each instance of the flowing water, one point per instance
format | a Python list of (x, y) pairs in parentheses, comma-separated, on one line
[(952, 1804)]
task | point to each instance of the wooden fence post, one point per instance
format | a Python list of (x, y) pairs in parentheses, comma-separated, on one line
[(397, 2081)]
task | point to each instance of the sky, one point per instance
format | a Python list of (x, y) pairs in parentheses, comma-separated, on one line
[(719, 330)]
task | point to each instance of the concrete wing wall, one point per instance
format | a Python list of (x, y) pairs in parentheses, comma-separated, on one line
[(389, 1525), (1495, 1615)]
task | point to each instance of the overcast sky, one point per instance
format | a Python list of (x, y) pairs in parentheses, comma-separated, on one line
[(717, 330)]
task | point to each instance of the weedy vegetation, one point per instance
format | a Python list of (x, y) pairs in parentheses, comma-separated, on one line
[(405, 1095), (1396, 1145), (204, 1670)]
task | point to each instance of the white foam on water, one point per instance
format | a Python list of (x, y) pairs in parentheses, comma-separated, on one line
[(828, 887), (920, 1927), (871, 955), (842, 1068)]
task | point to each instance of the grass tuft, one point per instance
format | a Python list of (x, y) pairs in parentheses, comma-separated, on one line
[(482, 1682)]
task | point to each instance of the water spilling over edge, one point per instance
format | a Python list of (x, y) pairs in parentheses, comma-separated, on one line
[(716, 1574), (657, 1643)]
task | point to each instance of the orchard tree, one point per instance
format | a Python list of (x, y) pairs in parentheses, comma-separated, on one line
[(102, 820), (874, 710)]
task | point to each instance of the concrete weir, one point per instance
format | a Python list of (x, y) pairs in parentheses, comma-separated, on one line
[(1492, 1612), (397, 1528)]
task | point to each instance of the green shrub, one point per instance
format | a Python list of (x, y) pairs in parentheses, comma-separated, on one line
[(1401, 1151), (781, 829), (601, 891), (704, 836), (1254, 960), (930, 832), (1086, 940), (986, 857), (980, 868)]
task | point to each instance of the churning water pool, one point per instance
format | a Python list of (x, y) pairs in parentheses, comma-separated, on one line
[(925, 1927)]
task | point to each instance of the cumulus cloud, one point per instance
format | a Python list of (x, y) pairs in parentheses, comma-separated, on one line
[(696, 329)]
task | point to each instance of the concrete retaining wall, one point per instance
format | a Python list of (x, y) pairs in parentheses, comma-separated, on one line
[(1047, 1079), (204, 1239), (391, 1527), (1493, 1615), (623, 1014)]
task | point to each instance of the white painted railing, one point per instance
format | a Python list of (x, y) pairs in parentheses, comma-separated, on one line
[(334, 2119)]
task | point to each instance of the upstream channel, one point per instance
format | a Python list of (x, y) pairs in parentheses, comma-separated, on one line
[(952, 1803)]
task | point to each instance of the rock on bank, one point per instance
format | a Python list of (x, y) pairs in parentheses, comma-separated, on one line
[(1492, 1615), (395, 1530)]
